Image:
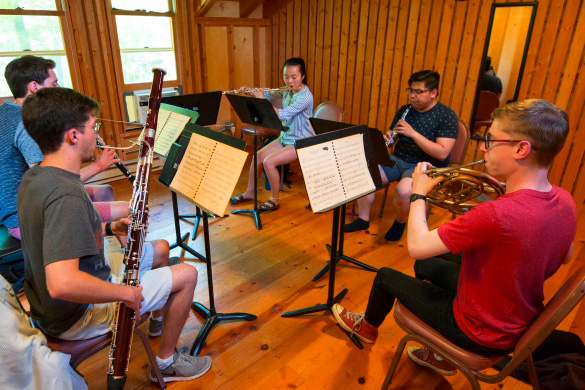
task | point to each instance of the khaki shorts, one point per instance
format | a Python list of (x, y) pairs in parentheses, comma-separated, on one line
[(100, 318)]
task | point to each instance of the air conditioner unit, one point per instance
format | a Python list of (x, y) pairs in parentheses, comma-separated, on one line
[(136, 103)]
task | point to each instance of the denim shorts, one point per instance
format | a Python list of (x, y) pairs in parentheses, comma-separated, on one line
[(399, 171)]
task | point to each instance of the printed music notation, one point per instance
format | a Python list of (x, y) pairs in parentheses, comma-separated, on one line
[(208, 173), (169, 127), (335, 172)]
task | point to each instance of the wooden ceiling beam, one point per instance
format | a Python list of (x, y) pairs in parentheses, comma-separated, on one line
[(204, 6), (272, 7), (248, 6)]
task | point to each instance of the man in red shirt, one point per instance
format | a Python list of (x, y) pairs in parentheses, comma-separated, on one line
[(484, 299)]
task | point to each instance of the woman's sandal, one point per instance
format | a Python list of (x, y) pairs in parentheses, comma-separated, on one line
[(239, 199), (269, 205)]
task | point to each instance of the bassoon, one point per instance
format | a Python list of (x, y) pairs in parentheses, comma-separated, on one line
[(126, 317)]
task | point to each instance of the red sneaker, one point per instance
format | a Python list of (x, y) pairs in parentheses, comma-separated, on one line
[(355, 323), (426, 357)]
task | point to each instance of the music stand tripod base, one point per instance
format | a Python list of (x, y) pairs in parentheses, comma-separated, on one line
[(212, 318), (331, 299), (254, 213), (340, 255)]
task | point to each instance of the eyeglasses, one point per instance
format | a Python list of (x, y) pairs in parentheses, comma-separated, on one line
[(97, 126), (488, 140), (416, 92)]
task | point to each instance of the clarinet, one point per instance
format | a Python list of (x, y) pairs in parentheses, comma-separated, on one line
[(102, 145), (394, 135), (125, 317)]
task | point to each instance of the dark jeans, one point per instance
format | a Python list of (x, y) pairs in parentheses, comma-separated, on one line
[(431, 302)]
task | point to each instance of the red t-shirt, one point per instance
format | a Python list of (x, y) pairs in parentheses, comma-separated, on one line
[(510, 246)]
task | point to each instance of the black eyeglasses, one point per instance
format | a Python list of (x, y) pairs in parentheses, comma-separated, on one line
[(416, 92), (488, 140)]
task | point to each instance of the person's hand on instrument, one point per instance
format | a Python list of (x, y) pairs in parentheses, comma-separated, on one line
[(257, 92), (421, 183), (106, 159), (402, 127), (133, 298), (120, 227)]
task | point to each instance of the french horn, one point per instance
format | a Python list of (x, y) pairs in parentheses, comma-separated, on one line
[(463, 188)]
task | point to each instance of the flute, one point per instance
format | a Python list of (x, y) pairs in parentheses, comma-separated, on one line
[(394, 134), (248, 90)]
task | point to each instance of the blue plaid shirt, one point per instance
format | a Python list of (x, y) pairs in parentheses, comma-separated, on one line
[(295, 114)]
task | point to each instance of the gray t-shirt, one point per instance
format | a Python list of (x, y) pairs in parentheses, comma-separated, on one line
[(57, 222)]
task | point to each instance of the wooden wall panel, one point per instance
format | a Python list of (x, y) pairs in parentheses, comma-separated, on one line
[(94, 72), (363, 60), (343, 52), (233, 53), (212, 53), (216, 65)]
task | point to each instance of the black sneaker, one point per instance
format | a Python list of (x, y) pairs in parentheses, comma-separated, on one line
[(184, 368)]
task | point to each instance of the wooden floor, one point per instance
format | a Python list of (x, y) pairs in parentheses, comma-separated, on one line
[(267, 272)]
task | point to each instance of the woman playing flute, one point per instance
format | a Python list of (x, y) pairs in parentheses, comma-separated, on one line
[(297, 109)]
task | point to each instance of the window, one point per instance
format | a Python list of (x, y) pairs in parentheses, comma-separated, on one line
[(32, 27), (141, 5), (145, 38)]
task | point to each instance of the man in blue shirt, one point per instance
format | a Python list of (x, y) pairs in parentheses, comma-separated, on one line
[(25, 76)]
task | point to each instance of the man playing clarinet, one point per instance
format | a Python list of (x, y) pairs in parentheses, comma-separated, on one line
[(69, 285), (427, 130)]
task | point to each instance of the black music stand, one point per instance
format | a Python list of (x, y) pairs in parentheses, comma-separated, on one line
[(256, 112), (166, 177), (176, 153), (212, 317), (376, 154), (336, 246), (207, 105), (333, 259)]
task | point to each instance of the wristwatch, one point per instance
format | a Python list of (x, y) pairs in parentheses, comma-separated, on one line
[(414, 197), (109, 231)]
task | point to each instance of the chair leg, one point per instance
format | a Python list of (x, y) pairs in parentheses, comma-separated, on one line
[(532, 372), (394, 363), (151, 357), (383, 201), (470, 377)]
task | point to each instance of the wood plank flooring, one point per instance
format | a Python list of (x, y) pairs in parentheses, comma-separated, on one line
[(267, 272)]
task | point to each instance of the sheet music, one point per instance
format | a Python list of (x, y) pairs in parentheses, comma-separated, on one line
[(335, 172), (169, 127), (208, 173), (192, 167), (353, 166), (221, 178)]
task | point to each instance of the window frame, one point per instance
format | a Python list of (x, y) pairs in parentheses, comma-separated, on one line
[(117, 52), (68, 50)]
